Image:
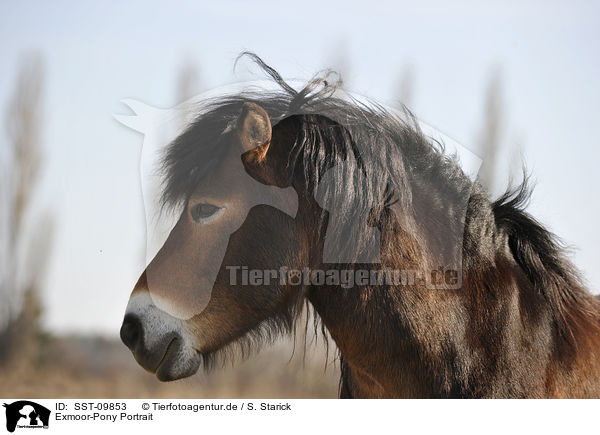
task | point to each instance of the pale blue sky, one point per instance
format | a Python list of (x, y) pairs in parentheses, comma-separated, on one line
[(99, 53)]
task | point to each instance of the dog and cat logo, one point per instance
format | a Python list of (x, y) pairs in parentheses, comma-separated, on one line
[(25, 414)]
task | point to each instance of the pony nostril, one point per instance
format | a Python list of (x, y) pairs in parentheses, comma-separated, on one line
[(131, 331)]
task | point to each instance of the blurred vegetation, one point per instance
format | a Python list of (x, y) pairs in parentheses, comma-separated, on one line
[(89, 366), (20, 288), (490, 139)]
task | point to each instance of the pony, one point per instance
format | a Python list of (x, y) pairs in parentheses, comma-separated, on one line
[(303, 198)]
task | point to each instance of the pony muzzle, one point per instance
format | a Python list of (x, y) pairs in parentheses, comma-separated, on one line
[(158, 341)]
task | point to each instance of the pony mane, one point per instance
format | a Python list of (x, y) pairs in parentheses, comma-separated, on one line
[(388, 153), (541, 256)]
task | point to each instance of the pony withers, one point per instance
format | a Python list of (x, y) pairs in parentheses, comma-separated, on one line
[(292, 199)]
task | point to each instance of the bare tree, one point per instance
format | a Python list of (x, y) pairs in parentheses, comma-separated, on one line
[(188, 86), (339, 61), (491, 134), (20, 316), (407, 86)]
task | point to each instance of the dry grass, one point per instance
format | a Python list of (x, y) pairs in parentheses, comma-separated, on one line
[(86, 367)]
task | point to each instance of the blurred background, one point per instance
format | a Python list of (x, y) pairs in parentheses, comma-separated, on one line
[(512, 81)]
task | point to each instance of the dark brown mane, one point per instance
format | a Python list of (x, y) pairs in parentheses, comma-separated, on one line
[(542, 258)]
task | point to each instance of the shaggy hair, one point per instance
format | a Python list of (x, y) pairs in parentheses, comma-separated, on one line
[(388, 154), (403, 169)]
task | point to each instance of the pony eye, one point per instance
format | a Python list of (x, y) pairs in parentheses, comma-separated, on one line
[(201, 212)]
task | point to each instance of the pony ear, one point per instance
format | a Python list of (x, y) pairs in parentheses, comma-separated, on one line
[(253, 126), (270, 163)]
